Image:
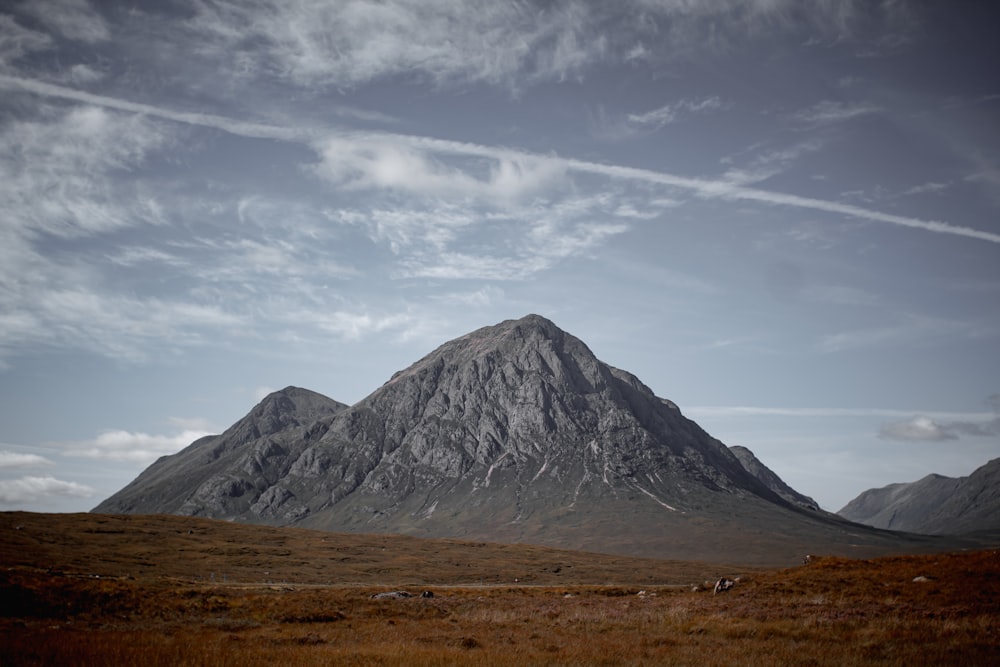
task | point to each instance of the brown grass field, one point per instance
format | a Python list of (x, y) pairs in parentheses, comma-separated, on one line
[(109, 590)]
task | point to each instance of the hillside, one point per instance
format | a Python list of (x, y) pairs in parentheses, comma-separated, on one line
[(934, 505)]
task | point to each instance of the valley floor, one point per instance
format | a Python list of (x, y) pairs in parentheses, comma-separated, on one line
[(911, 610)]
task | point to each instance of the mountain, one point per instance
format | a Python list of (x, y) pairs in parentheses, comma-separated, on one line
[(512, 433), (234, 474), (934, 505), (768, 478)]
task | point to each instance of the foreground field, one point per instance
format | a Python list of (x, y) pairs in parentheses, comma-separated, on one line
[(904, 610)]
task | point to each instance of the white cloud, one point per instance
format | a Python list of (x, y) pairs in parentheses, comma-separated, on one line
[(349, 43), (367, 164), (668, 113), (932, 187), (119, 445), (924, 428), (828, 112), (513, 45), (15, 492), (385, 162), (56, 170), (18, 460), (917, 428), (355, 326), (767, 163)]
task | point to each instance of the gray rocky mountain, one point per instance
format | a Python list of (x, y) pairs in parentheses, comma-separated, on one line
[(512, 433), (237, 473), (934, 505), (771, 480)]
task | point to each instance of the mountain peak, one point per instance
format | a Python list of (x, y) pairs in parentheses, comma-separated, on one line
[(513, 432), (529, 343)]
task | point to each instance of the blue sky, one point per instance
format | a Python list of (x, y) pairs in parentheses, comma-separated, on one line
[(781, 215)]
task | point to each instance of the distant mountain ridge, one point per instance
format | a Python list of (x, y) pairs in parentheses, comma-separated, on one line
[(934, 505), (512, 433)]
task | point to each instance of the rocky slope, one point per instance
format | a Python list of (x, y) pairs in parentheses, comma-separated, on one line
[(513, 433), (770, 479), (234, 474), (934, 505)]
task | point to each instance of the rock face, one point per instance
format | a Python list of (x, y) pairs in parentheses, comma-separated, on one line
[(513, 433), (934, 505), (769, 479), (238, 473)]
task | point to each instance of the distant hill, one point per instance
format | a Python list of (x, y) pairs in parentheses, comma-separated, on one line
[(513, 433), (934, 505)]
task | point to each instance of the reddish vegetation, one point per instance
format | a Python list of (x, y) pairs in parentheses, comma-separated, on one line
[(930, 609)]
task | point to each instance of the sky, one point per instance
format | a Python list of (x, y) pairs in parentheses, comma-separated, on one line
[(780, 214)]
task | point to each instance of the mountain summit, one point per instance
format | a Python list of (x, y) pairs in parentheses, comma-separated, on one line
[(512, 433)]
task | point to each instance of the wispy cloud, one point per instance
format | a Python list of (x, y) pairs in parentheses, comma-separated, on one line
[(55, 173), (17, 41), (669, 113), (931, 187), (828, 112), (384, 162), (347, 44), (931, 427), (136, 447), (73, 19), (10, 459), (31, 489), (813, 412), (908, 329), (378, 168), (923, 428), (767, 163)]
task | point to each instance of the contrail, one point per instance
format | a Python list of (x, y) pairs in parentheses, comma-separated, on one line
[(705, 188)]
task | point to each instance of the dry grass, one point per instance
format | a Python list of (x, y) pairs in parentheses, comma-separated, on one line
[(830, 612)]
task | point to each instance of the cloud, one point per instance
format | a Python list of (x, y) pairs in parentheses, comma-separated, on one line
[(10, 459), (828, 112), (366, 164), (56, 170), (32, 489), (355, 326), (73, 19), (16, 41), (907, 330), (315, 43), (667, 114), (929, 187), (384, 162), (771, 411), (915, 429), (350, 43), (767, 163), (924, 429), (137, 447), (936, 428)]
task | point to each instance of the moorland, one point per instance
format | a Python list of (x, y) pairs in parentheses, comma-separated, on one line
[(89, 589)]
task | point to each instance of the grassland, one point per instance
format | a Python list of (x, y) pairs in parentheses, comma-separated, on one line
[(93, 590)]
